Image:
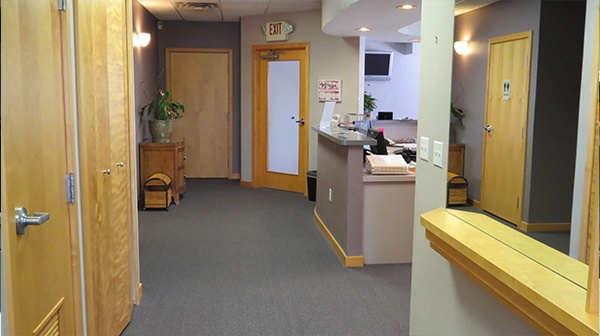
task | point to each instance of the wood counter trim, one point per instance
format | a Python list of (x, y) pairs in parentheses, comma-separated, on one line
[(247, 184), (545, 227), (348, 261), (546, 300)]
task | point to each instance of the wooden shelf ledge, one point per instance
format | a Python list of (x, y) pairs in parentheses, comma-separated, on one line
[(550, 300)]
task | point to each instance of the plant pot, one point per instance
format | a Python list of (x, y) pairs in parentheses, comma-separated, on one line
[(161, 130)]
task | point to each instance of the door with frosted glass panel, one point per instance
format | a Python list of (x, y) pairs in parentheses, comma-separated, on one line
[(283, 115)]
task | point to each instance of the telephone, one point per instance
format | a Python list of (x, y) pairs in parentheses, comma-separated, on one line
[(389, 141)]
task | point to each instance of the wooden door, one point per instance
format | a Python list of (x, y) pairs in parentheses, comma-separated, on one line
[(41, 266), (267, 172), (201, 80), (102, 75), (506, 123)]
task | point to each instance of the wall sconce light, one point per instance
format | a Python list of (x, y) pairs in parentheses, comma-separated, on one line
[(141, 39), (461, 47)]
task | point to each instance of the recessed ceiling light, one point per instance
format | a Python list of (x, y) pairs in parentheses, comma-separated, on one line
[(363, 29), (407, 6)]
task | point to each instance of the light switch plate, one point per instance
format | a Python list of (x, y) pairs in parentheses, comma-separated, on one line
[(424, 149), (438, 153)]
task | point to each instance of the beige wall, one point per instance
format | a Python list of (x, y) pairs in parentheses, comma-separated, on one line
[(443, 300), (583, 133), (330, 57)]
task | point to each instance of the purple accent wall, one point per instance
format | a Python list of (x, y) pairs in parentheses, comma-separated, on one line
[(469, 72), (145, 65), (222, 35), (556, 111), (553, 97)]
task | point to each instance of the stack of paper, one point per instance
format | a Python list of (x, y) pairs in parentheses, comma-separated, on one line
[(386, 164)]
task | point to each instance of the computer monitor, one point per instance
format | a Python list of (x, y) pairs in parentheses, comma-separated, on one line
[(362, 126), (380, 148)]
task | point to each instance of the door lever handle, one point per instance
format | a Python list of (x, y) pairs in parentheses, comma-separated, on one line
[(23, 219), (106, 171), (488, 128), (301, 121)]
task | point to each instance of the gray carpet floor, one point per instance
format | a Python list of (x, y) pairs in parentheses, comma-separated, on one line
[(238, 261)]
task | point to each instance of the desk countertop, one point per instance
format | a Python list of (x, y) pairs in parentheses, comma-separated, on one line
[(352, 138)]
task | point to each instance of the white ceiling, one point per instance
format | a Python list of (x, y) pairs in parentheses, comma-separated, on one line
[(225, 11), (387, 23)]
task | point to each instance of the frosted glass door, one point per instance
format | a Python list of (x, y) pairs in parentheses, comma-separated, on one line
[(283, 112)]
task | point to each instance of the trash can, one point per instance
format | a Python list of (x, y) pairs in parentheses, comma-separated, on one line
[(311, 178)]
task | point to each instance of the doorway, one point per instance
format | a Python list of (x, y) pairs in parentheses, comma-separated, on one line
[(280, 116), (507, 101), (201, 79)]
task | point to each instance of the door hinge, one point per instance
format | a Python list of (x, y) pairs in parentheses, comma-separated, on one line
[(62, 5), (227, 163), (522, 132), (518, 202), (71, 188)]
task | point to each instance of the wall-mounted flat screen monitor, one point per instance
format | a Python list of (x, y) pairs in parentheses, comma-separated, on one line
[(378, 65)]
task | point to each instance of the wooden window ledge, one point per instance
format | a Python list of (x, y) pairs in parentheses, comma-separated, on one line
[(510, 266)]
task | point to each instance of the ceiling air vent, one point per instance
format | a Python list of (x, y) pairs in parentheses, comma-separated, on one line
[(197, 6)]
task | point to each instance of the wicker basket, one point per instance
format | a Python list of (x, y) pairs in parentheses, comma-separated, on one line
[(457, 189), (157, 192)]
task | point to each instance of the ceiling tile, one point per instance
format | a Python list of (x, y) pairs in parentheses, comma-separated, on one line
[(161, 9)]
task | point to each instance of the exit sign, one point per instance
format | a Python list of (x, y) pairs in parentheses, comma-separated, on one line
[(277, 31)]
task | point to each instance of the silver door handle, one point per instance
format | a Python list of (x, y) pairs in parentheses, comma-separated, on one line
[(488, 128), (301, 121), (120, 164), (23, 219), (106, 171)]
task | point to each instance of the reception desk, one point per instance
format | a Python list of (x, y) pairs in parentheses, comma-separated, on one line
[(366, 218)]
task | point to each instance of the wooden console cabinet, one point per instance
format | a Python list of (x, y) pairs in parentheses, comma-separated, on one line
[(456, 159), (167, 158)]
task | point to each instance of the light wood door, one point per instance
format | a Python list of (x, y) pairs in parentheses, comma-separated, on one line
[(201, 80), (102, 75), (506, 123), (41, 266), (273, 145)]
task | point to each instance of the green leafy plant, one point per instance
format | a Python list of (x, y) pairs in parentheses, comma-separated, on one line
[(457, 112), (162, 108), (369, 103)]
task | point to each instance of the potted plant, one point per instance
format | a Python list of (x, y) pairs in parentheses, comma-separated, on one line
[(369, 104), (164, 111), (458, 114)]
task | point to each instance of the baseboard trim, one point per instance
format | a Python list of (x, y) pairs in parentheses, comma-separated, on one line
[(545, 227), (235, 176), (138, 295), (475, 203), (247, 184), (348, 261)]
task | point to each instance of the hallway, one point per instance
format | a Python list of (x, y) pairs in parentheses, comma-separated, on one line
[(238, 261)]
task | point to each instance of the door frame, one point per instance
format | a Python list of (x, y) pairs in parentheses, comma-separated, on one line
[(522, 162), (259, 150), (229, 52)]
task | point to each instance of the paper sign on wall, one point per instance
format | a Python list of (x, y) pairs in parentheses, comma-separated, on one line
[(329, 90), (506, 91)]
